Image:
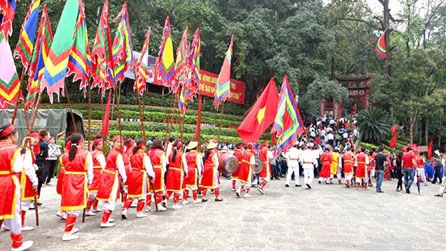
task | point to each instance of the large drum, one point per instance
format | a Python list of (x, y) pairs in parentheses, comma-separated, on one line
[(227, 163), (258, 166)]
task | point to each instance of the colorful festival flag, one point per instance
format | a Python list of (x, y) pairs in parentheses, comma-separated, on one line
[(25, 46), (9, 81), (122, 45), (222, 87), (381, 47), (7, 13), (181, 66), (35, 71), (79, 63), (194, 67), (53, 78), (106, 121), (141, 68), (261, 115), (165, 64), (100, 56), (182, 100), (288, 122)]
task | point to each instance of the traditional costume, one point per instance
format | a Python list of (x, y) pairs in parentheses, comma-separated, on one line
[(334, 168), (11, 164), (245, 171), (175, 174), (108, 189), (326, 160), (28, 179), (159, 162), (98, 167), (78, 175), (265, 175), (194, 163), (309, 162), (362, 161), (138, 180), (348, 159), (292, 159), (238, 154), (211, 177)]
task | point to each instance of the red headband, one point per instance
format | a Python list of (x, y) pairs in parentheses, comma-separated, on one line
[(34, 134), (141, 144), (8, 130), (131, 143), (97, 141)]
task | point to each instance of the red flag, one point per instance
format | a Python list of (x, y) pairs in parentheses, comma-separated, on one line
[(355, 109), (106, 122), (429, 149), (261, 115), (392, 143), (381, 47)]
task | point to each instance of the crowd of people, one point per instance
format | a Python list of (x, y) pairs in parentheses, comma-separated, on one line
[(146, 174)]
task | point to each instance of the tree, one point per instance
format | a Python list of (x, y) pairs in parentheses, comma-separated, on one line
[(374, 126)]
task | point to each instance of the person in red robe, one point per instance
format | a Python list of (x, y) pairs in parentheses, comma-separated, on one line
[(211, 177), (129, 145), (326, 159), (98, 166), (109, 185), (362, 161), (78, 175), (159, 162), (62, 214), (11, 164), (348, 158), (141, 168), (245, 170), (28, 179), (238, 154), (194, 163), (265, 175), (175, 174)]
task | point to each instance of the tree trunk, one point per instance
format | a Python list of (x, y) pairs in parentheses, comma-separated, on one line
[(412, 121), (426, 132), (358, 140)]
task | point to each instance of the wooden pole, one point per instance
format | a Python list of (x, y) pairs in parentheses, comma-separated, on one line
[(89, 114), (36, 107), (141, 116), (16, 107), (169, 118), (221, 120), (70, 107), (197, 135)]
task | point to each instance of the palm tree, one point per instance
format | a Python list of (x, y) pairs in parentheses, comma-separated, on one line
[(374, 126)]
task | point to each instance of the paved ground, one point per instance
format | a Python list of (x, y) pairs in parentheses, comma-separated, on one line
[(328, 217)]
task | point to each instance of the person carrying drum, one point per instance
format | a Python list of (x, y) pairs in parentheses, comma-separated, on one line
[(265, 174)]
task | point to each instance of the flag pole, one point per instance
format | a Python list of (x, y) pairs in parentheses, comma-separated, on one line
[(89, 112), (221, 120), (197, 135), (71, 108), (36, 107), (141, 115), (16, 107), (112, 66)]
